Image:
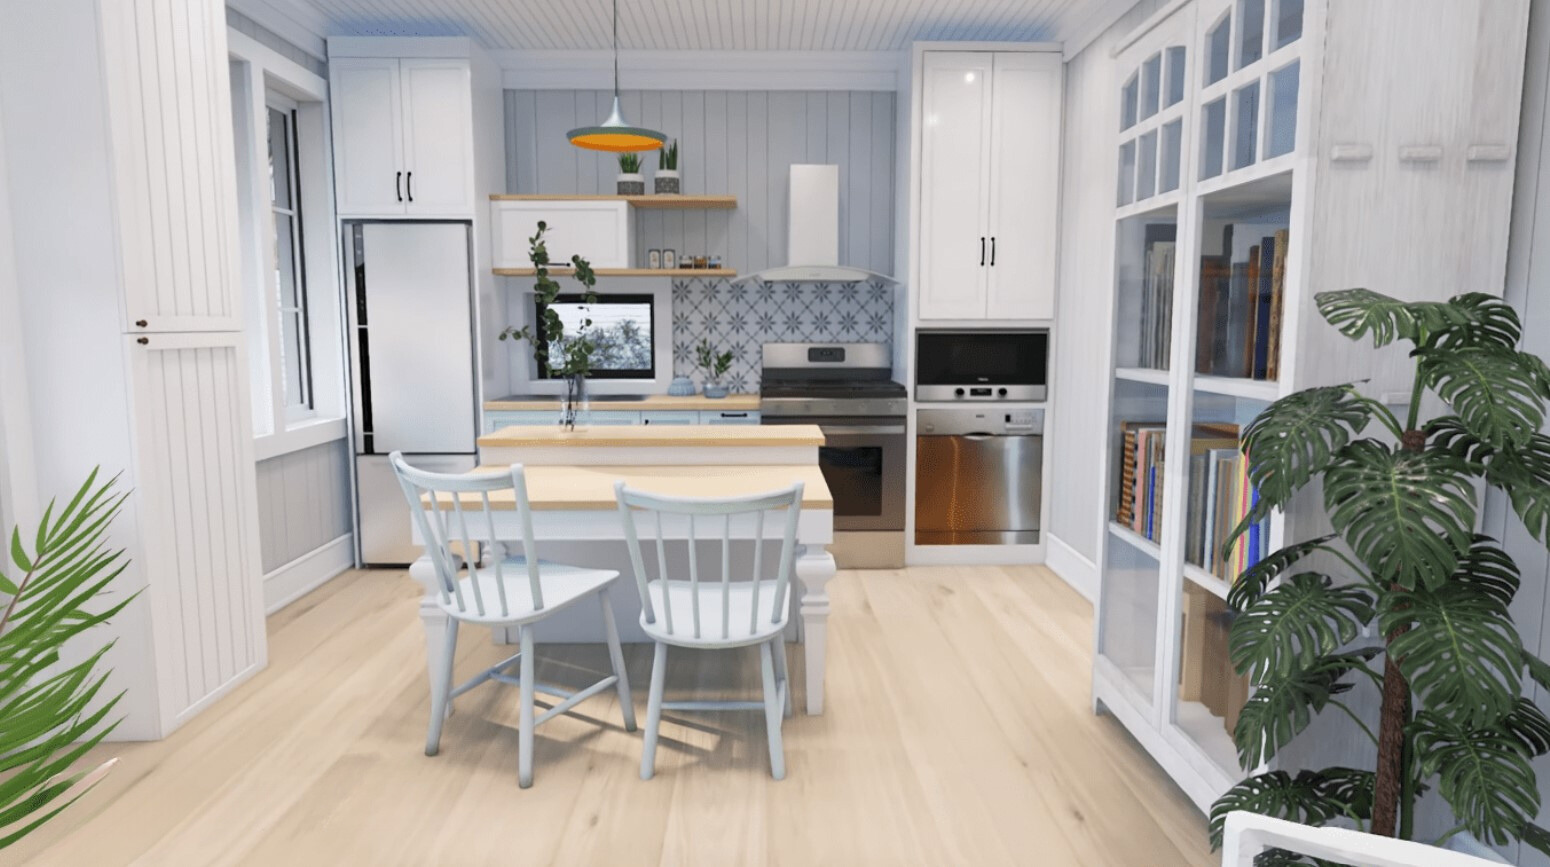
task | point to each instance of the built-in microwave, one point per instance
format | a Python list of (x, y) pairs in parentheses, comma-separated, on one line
[(976, 365)]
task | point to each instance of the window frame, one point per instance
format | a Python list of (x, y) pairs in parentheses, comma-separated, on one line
[(288, 108)]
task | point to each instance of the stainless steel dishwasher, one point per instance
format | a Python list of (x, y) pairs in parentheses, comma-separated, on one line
[(979, 476)]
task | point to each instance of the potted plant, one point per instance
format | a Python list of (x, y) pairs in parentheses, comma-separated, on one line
[(52, 708), (666, 178), (1410, 570), (714, 365), (630, 181), (561, 355)]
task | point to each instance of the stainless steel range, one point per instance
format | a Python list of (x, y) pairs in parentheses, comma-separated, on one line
[(847, 389)]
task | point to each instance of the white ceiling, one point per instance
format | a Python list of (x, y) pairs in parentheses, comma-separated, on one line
[(724, 25)]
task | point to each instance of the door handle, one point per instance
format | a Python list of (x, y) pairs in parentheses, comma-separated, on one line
[(409, 184), (982, 251), (398, 185), (992, 251)]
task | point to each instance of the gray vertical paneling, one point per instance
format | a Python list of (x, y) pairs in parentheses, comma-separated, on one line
[(741, 143), (303, 502)]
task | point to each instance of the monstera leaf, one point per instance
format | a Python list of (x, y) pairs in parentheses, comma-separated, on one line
[(1311, 797), (1449, 434), (1487, 568), (1460, 652), (1485, 774), (1292, 626), (1489, 388), (1253, 582), (1294, 439), (1359, 312), (1407, 515), (1523, 471), (1283, 705), (1485, 320)]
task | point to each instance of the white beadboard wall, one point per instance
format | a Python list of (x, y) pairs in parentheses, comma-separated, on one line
[(1086, 298), (730, 142), (303, 502), (284, 47)]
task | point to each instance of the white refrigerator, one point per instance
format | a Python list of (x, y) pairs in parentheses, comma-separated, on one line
[(413, 368)]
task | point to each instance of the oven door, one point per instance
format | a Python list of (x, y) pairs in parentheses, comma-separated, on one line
[(863, 462)]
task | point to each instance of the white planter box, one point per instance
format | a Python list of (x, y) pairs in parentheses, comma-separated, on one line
[(599, 231)]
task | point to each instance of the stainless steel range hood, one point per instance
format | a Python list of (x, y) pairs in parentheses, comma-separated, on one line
[(813, 233)]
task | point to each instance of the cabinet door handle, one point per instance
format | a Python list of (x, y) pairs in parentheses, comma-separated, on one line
[(992, 251), (143, 341), (141, 323), (398, 185), (982, 251), (409, 185)]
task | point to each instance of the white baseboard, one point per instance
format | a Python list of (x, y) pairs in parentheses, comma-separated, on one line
[(307, 572), (1078, 571)]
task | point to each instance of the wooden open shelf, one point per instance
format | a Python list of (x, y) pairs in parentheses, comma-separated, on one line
[(656, 202), (624, 272)]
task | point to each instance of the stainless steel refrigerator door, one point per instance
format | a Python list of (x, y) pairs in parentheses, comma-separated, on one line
[(412, 314), (384, 531), (978, 490)]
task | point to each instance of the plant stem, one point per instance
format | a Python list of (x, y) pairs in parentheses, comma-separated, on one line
[(1452, 832), (1393, 771), (1407, 783), (1352, 714), (1416, 391)]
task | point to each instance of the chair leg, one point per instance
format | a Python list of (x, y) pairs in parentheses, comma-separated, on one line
[(441, 689), (525, 736), (782, 679), (772, 710), (648, 758), (616, 658)]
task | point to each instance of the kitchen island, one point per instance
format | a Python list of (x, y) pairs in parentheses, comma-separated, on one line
[(570, 479)]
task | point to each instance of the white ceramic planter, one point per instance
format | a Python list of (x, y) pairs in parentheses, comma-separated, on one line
[(666, 182)]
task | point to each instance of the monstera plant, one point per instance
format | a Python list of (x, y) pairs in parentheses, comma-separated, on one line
[(1404, 566)]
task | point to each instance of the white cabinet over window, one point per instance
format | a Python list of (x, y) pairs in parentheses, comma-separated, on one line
[(403, 136), (597, 230), (989, 182)]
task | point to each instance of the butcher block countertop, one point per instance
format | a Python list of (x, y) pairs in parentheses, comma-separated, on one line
[(652, 403), (575, 488), (645, 436)]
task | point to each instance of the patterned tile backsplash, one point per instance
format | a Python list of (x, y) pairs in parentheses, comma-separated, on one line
[(742, 318)]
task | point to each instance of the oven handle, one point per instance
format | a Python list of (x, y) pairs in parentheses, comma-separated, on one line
[(851, 429)]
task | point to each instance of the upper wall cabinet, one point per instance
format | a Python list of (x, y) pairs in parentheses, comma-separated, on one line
[(989, 183), (403, 137)]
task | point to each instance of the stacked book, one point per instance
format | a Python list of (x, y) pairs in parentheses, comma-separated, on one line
[(1141, 477), (1157, 298), (1241, 296), (1219, 497)]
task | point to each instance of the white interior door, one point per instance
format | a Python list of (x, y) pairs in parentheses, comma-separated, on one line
[(1025, 186), (368, 137), (954, 183), (438, 149), (419, 394)]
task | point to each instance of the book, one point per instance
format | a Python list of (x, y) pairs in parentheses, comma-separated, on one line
[(1228, 356), (1214, 274), (1277, 293), (1251, 313), (1267, 248)]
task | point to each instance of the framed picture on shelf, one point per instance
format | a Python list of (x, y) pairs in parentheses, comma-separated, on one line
[(653, 258), (669, 259)]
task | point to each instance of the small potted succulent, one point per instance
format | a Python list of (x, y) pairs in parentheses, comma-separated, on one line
[(666, 178), (714, 365), (631, 182)]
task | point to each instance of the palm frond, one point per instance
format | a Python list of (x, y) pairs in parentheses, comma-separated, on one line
[(1292, 626), (1407, 515)]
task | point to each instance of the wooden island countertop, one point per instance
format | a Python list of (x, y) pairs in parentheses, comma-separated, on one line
[(646, 436), (578, 488), (650, 403)]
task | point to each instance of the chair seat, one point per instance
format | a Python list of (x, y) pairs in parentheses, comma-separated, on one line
[(560, 584), (740, 598)]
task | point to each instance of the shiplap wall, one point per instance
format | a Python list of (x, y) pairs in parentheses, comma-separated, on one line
[(303, 502), (730, 142)]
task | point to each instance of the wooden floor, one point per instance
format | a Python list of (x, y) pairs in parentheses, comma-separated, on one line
[(959, 731)]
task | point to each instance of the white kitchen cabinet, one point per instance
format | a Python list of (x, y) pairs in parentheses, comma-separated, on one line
[(729, 417), (989, 182), (672, 417), (403, 136), (599, 231)]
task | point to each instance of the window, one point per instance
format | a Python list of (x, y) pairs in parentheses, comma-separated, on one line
[(290, 274), (621, 331)]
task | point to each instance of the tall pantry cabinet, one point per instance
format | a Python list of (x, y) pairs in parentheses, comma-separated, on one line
[(989, 182), (130, 243)]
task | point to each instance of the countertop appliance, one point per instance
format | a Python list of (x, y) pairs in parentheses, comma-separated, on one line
[(994, 365), (847, 389), (979, 476), (413, 368)]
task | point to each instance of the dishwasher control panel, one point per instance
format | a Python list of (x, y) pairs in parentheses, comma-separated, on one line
[(989, 421)]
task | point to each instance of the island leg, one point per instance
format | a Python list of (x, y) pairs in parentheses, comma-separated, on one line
[(814, 568), (436, 623)]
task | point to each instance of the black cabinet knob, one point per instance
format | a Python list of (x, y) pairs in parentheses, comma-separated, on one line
[(141, 323), (143, 341)]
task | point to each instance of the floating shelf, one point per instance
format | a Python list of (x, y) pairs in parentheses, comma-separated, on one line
[(623, 272), (664, 201)]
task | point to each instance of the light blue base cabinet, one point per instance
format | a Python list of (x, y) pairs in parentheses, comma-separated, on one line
[(495, 419)]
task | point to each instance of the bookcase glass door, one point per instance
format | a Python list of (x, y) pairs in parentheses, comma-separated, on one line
[(1154, 98), (1240, 287), (1145, 266), (1249, 83)]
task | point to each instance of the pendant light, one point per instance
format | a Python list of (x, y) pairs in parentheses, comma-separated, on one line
[(615, 134)]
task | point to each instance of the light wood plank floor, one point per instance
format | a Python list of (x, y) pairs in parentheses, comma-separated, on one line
[(959, 731)]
